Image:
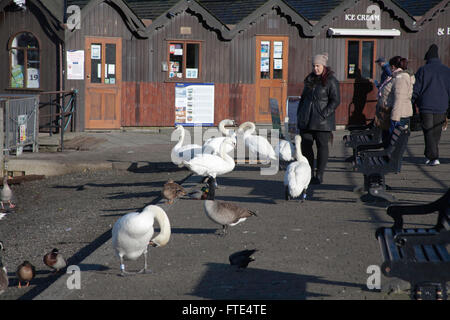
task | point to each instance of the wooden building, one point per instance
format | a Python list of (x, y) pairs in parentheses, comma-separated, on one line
[(139, 55)]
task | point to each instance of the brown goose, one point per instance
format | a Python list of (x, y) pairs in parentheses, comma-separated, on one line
[(3, 272), (25, 273), (222, 212), (172, 190), (55, 260)]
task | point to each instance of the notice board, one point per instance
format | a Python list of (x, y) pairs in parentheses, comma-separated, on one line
[(194, 104)]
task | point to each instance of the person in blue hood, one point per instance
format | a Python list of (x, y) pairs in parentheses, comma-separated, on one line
[(431, 93)]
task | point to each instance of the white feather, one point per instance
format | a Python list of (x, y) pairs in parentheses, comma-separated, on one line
[(257, 144), (298, 173), (285, 150), (212, 145)]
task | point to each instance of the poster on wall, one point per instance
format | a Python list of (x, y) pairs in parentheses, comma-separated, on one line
[(75, 64), (194, 104)]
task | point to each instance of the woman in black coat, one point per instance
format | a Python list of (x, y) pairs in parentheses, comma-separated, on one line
[(315, 115)]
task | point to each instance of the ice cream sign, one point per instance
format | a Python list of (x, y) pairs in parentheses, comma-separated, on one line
[(372, 17)]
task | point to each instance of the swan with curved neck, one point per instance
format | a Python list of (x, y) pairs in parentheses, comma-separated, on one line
[(212, 165), (180, 152), (285, 150), (298, 173), (257, 144), (212, 145), (133, 232)]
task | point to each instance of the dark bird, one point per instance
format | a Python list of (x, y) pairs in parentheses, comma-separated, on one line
[(55, 260), (3, 272), (242, 258), (172, 190), (25, 273), (200, 194)]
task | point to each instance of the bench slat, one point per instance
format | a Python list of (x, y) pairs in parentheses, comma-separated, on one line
[(391, 246), (430, 249), (420, 256)]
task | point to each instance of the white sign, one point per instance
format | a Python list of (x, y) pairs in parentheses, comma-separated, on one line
[(194, 104), (191, 73), (372, 17), (443, 31), (96, 51), (33, 78), (75, 64)]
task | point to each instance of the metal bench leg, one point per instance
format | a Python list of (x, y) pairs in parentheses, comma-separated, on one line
[(429, 291)]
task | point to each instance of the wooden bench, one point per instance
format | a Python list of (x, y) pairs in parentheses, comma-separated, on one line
[(375, 164), (418, 255), (362, 137)]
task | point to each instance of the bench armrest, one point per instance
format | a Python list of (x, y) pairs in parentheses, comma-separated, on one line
[(396, 212)]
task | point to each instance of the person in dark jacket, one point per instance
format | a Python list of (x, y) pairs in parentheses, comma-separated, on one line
[(386, 71), (315, 114), (431, 93)]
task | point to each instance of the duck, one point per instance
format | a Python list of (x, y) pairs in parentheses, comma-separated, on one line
[(257, 144), (241, 259), (172, 190), (212, 145), (7, 194), (223, 212), (55, 260), (4, 281), (298, 174), (179, 152), (210, 165), (25, 272), (132, 234), (199, 194)]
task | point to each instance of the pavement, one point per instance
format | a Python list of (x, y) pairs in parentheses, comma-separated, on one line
[(332, 234)]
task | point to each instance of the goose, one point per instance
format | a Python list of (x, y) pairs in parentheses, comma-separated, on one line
[(179, 152), (241, 259), (298, 174), (25, 272), (55, 260), (257, 144), (7, 194), (211, 165), (172, 190), (212, 145), (4, 282), (132, 234), (224, 213)]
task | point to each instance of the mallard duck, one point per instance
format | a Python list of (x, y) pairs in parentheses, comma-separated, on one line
[(25, 272), (242, 258), (298, 174), (212, 145), (257, 145), (181, 153), (4, 282), (7, 194), (172, 190), (224, 213), (55, 260), (132, 234)]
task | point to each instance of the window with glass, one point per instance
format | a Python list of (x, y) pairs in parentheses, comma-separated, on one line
[(184, 60), (360, 59), (24, 66)]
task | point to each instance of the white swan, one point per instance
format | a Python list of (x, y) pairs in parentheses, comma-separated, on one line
[(257, 144), (298, 173), (285, 150), (212, 165), (180, 152), (212, 145), (133, 232)]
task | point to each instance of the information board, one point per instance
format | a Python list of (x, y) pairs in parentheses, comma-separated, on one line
[(194, 104)]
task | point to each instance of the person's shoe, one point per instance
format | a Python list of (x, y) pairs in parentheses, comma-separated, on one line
[(434, 162), (427, 161), (317, 179)]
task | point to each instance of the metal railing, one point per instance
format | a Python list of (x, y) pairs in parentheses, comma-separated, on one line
[(61, 107)]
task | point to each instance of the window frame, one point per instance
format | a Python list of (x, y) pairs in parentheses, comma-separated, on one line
[(10, 48), (360, 40), (185, 42)]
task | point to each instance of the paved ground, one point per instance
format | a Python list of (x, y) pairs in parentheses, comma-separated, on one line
[(316, 250)]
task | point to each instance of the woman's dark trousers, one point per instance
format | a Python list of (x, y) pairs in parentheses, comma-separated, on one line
[(321, 138)]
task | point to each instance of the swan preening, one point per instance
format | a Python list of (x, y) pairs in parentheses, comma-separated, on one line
[(298, 174), (181, 153), (132, 234)]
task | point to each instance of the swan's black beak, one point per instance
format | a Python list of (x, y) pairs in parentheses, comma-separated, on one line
[(153, 244)]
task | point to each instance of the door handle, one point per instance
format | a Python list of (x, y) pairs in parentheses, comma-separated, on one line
[(88, 76)]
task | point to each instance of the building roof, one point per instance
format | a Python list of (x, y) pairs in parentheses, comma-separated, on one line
[(313, 9), (417, 8), (231, 11)]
